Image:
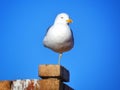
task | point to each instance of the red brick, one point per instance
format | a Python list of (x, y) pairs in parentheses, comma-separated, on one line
[(54, 71)]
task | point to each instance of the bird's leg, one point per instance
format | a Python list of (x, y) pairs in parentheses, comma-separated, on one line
[(60, 56)]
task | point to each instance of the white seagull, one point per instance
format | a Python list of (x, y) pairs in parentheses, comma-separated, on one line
[(59, 37)]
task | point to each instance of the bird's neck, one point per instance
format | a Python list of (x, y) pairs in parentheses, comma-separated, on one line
[(58, 23)]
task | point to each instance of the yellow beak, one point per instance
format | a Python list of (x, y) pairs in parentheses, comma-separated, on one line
[(69, 21)]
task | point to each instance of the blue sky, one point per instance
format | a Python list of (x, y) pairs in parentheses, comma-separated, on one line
[(94, 62)]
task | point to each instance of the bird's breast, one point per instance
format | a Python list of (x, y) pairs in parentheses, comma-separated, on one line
[(60, 32), (59, 38)]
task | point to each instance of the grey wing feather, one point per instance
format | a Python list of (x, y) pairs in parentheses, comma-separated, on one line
[(47, 30), (72, 36)]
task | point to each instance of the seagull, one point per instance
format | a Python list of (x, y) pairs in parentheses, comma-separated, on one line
[(59, 36)]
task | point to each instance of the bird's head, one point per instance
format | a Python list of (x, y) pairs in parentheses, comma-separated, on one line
[(63, 18)]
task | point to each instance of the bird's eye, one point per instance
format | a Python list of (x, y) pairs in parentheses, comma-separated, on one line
[(61, 17)]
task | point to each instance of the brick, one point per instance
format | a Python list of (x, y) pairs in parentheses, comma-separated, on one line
[(54, 71), (5, 85), (66, 87), (25, 85), (53, 84), (49, 84)]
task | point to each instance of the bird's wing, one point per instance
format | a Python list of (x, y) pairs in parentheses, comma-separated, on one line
[(46, 34), (72, 35), (47, 29)]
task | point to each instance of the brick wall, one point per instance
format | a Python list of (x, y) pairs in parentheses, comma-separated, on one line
[(53, 78)]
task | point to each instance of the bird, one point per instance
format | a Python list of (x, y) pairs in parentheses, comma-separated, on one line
[(59, 37)]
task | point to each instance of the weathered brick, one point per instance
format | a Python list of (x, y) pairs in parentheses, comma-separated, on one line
[(54, 71), (5, 85)]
